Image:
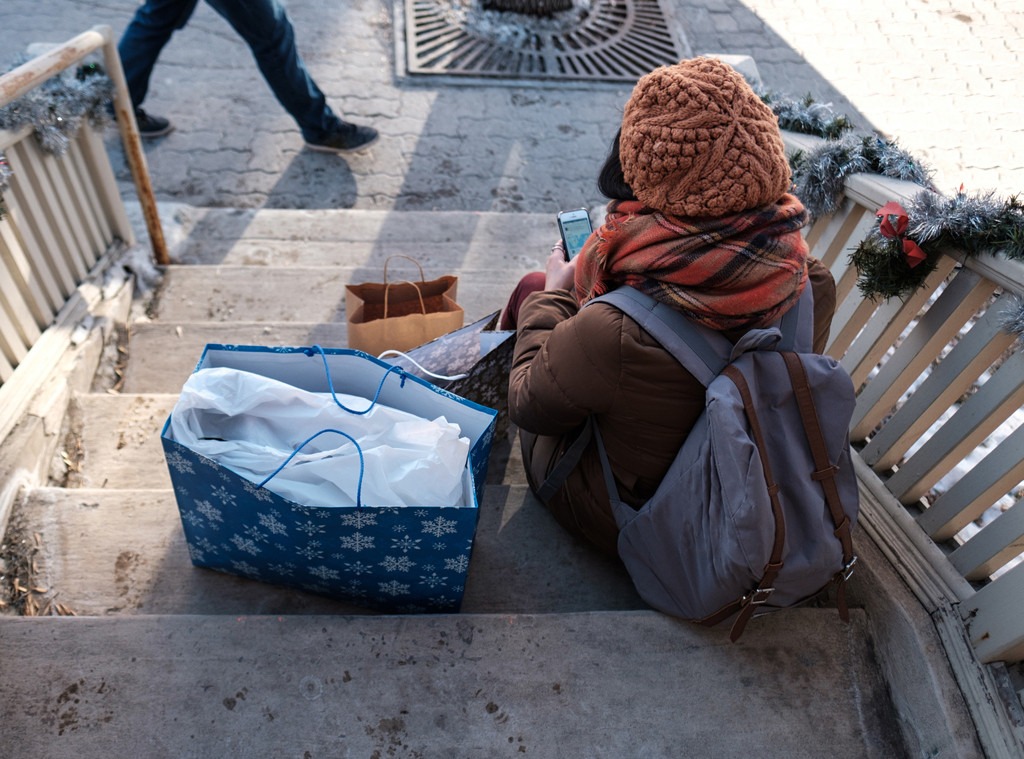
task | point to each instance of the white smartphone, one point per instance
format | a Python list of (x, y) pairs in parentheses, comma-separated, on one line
[(575, 228)]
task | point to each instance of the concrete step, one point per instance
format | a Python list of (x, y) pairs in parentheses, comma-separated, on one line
[(113, 442), (557, 686), (305, 294), (102, 551), (522, 254), (162, 356), (363, 237)]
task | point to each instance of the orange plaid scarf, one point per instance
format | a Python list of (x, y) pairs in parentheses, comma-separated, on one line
[(733, 272)]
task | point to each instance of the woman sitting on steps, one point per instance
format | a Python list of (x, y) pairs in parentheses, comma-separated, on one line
[(701, 219)]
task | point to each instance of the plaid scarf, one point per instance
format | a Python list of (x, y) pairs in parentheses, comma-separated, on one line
[(733, 272)]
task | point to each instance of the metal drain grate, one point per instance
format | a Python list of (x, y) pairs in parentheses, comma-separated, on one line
[(616, 41)]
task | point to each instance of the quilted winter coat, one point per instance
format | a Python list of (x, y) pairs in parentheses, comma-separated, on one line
[(571, 363)]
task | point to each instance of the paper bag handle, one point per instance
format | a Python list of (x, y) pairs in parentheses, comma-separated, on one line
[(410, 258), (310, 439), (387, 289)]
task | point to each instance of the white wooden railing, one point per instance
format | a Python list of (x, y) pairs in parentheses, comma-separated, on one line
[(63, 214), (939, 380)]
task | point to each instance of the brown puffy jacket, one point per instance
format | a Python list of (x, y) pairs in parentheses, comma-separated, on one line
[(571, 363)]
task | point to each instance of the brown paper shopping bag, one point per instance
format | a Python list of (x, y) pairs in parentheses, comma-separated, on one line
[(401, 314)]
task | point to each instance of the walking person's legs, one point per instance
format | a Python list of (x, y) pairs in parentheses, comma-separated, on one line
[(267, 30), (139, 48)]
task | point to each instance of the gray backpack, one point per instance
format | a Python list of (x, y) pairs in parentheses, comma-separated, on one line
[(757, 508)]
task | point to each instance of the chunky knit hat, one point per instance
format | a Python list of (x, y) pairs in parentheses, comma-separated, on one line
[(697, 141)]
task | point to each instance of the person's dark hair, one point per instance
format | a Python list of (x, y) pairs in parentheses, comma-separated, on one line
[(610, 181)]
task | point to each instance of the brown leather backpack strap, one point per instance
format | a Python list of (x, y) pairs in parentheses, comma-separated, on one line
[(722, 614), (765, 587), (825, 473)]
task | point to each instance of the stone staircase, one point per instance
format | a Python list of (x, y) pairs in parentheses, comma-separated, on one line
[(138, 653)]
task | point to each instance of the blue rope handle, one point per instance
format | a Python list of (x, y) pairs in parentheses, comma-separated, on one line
[(330, 382), (307, 441)]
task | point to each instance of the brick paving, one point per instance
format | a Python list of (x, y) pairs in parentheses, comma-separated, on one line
[(940, 76)]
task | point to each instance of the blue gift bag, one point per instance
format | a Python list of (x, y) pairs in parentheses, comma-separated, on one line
[(410, 558)]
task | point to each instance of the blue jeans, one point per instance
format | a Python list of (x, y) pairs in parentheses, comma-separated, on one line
[(264, 26)]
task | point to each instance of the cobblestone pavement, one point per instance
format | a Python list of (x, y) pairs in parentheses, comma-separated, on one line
[(941, 76)]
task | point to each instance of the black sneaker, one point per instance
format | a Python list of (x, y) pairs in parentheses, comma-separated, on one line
[(151, 127), (350, 138)]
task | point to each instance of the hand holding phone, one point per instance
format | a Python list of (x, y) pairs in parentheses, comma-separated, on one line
[(575, 228), (559, 274)]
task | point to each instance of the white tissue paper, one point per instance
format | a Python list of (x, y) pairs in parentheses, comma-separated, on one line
[(252, 424)]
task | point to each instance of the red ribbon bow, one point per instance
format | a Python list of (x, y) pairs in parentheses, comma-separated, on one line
[(911, 250)]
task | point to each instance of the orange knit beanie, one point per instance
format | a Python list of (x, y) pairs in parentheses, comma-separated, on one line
[(697, 141)]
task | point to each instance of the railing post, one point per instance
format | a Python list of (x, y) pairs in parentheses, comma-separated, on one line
[(125, 115)]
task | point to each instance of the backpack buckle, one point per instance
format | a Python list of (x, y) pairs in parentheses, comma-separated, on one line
[(847, 570), (757, 596)]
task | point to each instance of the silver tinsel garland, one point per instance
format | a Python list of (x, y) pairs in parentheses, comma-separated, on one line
[(974, 224), (819, 175), (1013, 319), (5, 176), (55, 110), (805, 116)]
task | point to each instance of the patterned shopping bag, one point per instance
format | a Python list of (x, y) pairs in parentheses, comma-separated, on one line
[(472, 362), (383, 556)]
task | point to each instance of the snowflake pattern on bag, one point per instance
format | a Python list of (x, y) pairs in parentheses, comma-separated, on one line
[(407, 559)]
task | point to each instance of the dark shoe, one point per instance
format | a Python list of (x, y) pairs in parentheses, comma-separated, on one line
[(151, 127), (350, 138)]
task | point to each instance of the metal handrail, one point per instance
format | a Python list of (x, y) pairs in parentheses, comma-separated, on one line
[(26, 77)]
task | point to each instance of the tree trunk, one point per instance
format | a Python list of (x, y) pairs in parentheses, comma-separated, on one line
[(528, 7)]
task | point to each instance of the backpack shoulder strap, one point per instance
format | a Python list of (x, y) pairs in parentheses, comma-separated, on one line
[(704, 352), (701, 351), (797, 324)]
